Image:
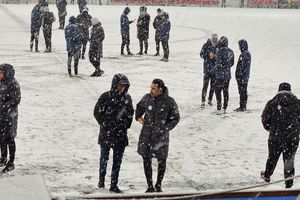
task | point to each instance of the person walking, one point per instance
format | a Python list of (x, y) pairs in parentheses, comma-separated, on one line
[(281, 118), (208, 53), (114, 113), (10, 97), (158, 113), (164, 35), (84, 22), (96, 40), (242, 74), (62, 12), (47, 28), (73, 39), (143, 29), (224, 62), (124, 23), (156, 23)]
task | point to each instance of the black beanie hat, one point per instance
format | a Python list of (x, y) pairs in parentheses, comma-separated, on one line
[(284, 86)]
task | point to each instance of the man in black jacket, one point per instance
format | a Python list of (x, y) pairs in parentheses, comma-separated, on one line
[(158, 113), (10, 97), (84, 22), (143, 29), (157, 21), (281, 118), (47, 28), (114, 113)]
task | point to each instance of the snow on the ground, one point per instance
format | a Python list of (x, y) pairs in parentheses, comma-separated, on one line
[(57, 133)]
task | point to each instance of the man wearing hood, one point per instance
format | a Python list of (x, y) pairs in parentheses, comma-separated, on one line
[(84, 22), (47, 28), (73, 39), (10, 97), (164, 35), (96, 40), (242, 74), (224, 62), (124, 23), (281, 118), (36, 23), (158, 113), (143, 29), (114, 113)]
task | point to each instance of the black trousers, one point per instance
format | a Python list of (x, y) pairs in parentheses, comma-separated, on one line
[(125, 41), (118, 152), (94, 58), (34, 37), (243, 94), (146, 45), (76, 57), (148, 170), (8, 143), (288, 149), (62, 21), (47, 35), (165, 45), (84, 43), (206, 79), (222, 86)]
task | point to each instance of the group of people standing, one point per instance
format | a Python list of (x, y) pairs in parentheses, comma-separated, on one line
[(162, 27), (218, 60)]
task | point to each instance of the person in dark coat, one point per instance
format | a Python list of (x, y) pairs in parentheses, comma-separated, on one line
[(159, 114), (242, 74), (96, 40), (208, 53), (62, 12), (143, 29), (164, 35), (224, 62), (73, 39), (48, 19), (156, 23), (124, 23), (10, 97), (281, 118), (81, 5), (114, 113), (36, 23), (84, 22)]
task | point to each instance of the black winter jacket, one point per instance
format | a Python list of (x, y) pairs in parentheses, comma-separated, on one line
[(114, 113)]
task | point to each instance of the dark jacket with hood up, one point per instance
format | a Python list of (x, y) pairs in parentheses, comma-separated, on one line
[(73, 37), (10, 97), (114, 113), (161, 115), (224, 61), (97, 37), (281, 116), (242, 72), (143, 24), (124, 23)]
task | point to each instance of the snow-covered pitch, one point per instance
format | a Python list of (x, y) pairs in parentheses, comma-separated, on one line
[(57, 133)]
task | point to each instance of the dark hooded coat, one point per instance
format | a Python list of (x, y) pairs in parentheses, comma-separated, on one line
[(242, 72), (84, 22), (281, 116), (10, 97), (164, 28), (61, 7), (124, 23), (224, 61), (97, 37), (143, 26), (161, 115), (114, 113), (36, 18), (73, 37), (156, 23)]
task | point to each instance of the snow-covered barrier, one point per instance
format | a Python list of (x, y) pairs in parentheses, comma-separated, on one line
[(31, 187)]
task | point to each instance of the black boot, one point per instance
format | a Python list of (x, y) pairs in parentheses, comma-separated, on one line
[(150, 189), (69, 72), (10, 166), (76, 70), (115, 189), (3, 162), (37, 46), (101, 183)]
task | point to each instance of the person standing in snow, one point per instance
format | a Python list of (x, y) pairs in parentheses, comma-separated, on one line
[(62, 12), (164, 35), (81, 5), (84, 22), (156, 23), (73, 39), (96, 40), (124, 23), (114, 113), (143, 29), (281, 118), (47, 28), (242, 74), (158, 113), (208, 53), (224, 62), (10, 97), (36, 23)]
